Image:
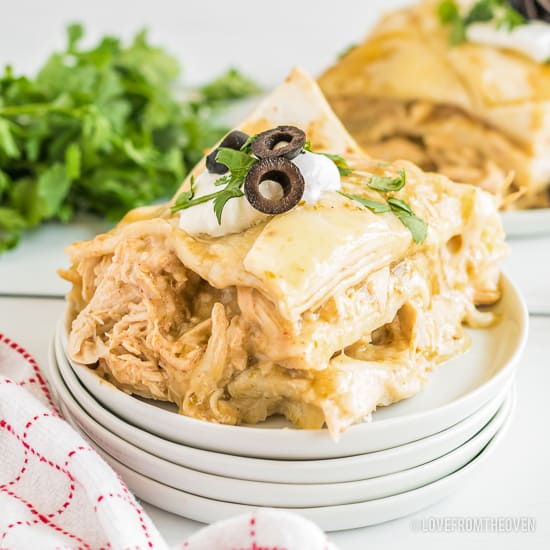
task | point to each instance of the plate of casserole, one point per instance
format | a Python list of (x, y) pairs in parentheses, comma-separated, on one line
[(461, 88), (297, 299)]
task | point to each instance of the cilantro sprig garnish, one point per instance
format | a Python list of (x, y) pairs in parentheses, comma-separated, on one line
[(417, 226), (373, 206), (387, 185), (238, 164), (499, 11), (399, 207)]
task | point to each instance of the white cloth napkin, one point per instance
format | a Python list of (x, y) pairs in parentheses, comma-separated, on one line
[(57, 493)]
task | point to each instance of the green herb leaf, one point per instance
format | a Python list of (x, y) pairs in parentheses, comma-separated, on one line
[(499, 11), (346, 50), (480, 12), (388, 184), (510, 18), (457, 33), (399, 204), (231, 184), (417, 226), (5, 183), (447, 11), (222, 198), (11, 225), (341, 163), (185, 198), (239, 163), (449, 14), (247, 145), (75, 32), (374, 206), (231, 85), (399, 207), (7, 141), (73, 159), (51, 189)]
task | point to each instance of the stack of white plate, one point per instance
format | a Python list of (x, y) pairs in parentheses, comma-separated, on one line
[(409, 456)]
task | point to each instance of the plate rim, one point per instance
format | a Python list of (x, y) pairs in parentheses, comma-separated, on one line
[(523, 322), (279, 492), (321, 465), (443, 487), (519, 224)]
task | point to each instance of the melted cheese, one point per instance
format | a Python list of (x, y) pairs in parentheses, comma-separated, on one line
[(308, 254)]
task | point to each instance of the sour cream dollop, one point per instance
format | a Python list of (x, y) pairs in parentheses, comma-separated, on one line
[(320, 176), (531, 39)]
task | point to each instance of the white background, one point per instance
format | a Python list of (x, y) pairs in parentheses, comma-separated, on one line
[(264, 38)]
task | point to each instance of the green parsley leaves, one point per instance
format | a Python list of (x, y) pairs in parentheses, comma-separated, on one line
[(417, 226), (387, 185), (500, 11), (399, 207), (449, 14), (185, 198), (340, 162), (238, 163), (101, 130), (373, 206)]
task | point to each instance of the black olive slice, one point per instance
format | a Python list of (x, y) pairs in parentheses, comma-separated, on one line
[(234, 140), (533, 9), (283, 141), (282, 171)]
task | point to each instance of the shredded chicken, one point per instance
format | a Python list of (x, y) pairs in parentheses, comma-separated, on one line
[(441, 139), (475, 112)]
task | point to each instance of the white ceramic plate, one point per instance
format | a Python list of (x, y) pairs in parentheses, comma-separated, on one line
[(257, 493), (329, 518), (526, 223), (278, 471), (455, 390)]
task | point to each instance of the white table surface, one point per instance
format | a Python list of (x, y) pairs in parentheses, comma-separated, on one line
[(514, 481), (207, 36)]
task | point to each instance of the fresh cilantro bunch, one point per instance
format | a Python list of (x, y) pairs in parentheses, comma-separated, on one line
[(500, 11), (100, 130)]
